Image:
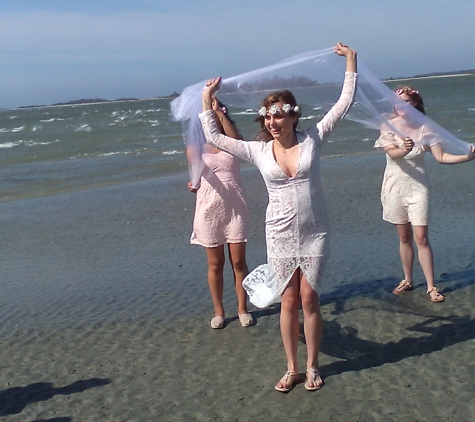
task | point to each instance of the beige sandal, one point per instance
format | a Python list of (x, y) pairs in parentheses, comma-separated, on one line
[(293, 376), (313, 376), (403, 287), (246, 320), (217, 322), (437, 297)]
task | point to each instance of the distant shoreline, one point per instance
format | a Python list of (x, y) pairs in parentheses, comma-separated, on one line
[(174, 95), (98, 101), (430, 76)]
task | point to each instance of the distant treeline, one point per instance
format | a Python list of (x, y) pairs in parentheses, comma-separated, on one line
[(102, 100), (99, 100), (267, 84), (93, 100)]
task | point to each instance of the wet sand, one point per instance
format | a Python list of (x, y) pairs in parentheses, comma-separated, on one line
[(104, 310)]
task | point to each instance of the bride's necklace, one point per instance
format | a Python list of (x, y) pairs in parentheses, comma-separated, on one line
[(289, 147)]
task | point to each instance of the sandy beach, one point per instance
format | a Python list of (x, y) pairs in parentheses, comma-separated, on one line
[(104, 310)]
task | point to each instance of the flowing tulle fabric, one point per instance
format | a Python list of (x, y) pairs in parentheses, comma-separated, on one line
[(315, 78)]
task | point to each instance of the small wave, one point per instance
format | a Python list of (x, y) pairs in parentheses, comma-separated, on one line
[(35, 143), (308, 118), (245, 113), (471, 109), (105, 154), (83, 128), (174, 152), (170, 135), (35, 128), (15, 129), (52, 120), (8, 145)]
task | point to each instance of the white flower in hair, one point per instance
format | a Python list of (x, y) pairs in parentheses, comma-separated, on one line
[(286, 107), (274, 109)]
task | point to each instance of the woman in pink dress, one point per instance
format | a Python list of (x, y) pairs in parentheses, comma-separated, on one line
[(222, 218)]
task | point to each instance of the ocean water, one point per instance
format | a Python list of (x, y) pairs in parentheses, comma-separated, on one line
[(46, 150)]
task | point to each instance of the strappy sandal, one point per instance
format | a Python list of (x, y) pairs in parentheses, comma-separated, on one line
[(437, 297), (313, 375), (285, 380), (404, 286)]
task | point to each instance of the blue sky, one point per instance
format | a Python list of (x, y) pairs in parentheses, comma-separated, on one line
[(60, 50)]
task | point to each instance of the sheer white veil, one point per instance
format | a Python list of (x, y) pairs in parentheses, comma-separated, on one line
[(315, 78)]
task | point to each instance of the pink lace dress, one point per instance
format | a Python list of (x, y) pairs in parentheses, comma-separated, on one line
[(297, 224), (221, 213)]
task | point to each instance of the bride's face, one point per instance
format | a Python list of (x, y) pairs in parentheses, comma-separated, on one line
[(279, 124)]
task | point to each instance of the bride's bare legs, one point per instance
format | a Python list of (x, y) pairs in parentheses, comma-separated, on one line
[(313, 328), (290, 327), (406, 249)]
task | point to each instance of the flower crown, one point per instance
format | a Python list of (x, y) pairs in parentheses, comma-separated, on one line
[(274, 109), (407, 91)]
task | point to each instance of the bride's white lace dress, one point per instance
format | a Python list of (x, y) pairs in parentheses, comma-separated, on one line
[(297, 224)]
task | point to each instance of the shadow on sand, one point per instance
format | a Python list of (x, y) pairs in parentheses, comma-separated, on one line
[(14, 400), (440, 331)]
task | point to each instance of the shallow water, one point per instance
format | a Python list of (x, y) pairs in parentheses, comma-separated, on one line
[(62, 148)]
